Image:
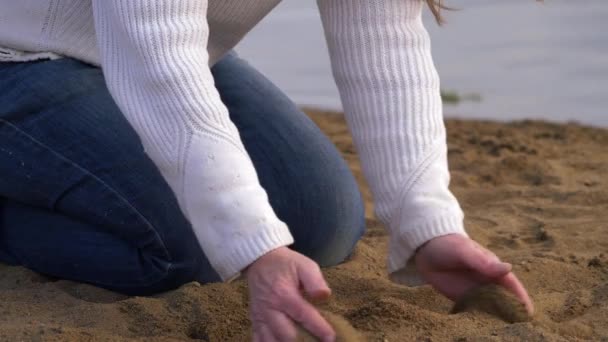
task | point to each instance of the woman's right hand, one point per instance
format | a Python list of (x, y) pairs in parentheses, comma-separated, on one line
[(276, 281)]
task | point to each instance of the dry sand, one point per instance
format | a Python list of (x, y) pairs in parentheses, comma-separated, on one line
[(535, 193), (345, 332)]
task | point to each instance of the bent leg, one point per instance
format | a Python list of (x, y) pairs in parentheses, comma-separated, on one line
[(80, 198)]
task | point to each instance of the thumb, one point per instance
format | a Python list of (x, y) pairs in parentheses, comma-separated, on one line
[(313, 283), (487, 264)]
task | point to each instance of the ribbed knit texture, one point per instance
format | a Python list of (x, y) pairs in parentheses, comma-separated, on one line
[(156, 55), (382, 64)]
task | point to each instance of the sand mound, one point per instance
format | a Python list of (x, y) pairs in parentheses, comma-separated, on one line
[(344, 331), (536, 193), (495, 301)]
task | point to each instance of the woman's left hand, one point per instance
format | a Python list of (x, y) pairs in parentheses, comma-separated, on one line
[(454, 264)]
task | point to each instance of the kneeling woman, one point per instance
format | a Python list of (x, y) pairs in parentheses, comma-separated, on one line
[(138, 153)]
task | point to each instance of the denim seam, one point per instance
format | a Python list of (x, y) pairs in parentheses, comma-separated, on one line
[(107, 186)]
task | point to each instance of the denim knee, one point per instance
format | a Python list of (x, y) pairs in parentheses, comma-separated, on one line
[(309, 184), (333, 208), (83, 163)]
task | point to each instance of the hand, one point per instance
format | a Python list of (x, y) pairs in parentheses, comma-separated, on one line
[(276, 301), (454, 264)]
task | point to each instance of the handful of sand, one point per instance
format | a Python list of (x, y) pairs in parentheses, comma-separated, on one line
[(496, 301), (344, 331)]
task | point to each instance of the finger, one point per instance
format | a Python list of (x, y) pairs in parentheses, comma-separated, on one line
[(282, 327), (256, 337), (265, 334), (313, 283), (304, 313), (485, 262), (512, 284), (488, 253)]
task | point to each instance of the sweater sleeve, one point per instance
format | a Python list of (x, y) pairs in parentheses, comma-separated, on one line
[(155, 61), (381, 60)]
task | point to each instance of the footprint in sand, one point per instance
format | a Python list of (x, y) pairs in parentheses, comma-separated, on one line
[(495, 301), (344, 331)]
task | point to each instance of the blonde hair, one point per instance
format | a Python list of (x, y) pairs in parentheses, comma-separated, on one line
[(437, 5)]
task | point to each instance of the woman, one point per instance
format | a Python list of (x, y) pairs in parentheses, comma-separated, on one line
[(138, 153)]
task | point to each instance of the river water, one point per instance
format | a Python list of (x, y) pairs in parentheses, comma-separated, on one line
[(524, 59)]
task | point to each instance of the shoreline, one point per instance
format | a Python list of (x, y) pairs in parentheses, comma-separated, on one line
[(451, 114)]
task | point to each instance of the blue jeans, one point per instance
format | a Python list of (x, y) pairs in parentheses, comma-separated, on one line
[(80, 200)]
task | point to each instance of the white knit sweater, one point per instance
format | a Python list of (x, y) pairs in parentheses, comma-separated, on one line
[(156, 55)]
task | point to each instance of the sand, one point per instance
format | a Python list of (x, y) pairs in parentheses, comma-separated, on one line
[(345, 332), (535, 193), (494, 300)]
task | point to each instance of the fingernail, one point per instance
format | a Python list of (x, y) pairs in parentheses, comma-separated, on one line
[(531, 309), (329, 338), (320, 295), (500, 268)]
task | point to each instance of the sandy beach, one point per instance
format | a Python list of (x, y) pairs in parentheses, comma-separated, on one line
[(535, 193)]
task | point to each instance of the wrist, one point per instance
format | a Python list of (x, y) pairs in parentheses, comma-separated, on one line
[(426, 243), (282, 250), (423, 247)]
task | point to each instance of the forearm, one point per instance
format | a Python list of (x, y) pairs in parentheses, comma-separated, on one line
[(155, 61), (382, 64)]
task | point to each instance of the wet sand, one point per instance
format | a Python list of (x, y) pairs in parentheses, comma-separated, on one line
[(536, 193)]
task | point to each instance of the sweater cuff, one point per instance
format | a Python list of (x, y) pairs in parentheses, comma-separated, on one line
[(249, 248), (403, 246)]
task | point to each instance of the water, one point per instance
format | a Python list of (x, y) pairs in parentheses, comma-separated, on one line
[(525, 59)]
